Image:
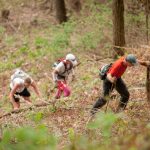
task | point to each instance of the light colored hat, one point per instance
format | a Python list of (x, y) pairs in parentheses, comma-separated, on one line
[(72, 58)]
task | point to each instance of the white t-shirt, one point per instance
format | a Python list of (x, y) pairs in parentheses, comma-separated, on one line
[(18, 81), (61, 69)]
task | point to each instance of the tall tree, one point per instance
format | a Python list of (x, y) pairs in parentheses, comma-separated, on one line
[(147, 15), (118, 27), (60, 11), (147, 36)]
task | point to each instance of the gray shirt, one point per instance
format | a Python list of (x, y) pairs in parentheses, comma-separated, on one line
[(63, 71)]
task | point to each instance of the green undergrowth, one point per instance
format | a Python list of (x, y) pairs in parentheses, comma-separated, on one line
[(88, 36), (99, 134), (39, 137), (28, 138), (78, 34)]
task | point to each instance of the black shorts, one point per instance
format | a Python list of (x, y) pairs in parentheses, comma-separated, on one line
[(61, 77), (24, 93)]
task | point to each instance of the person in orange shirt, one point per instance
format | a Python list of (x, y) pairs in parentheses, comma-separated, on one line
[(113, 80)]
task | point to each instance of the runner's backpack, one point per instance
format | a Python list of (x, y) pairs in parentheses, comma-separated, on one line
[(58, 61), (19, 74), (103, 71)]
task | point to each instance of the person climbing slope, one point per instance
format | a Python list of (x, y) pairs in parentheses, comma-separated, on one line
[(20, 82), (113, 79), (62, 69)]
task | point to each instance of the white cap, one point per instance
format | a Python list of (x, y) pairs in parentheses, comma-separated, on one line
[(71, 58)]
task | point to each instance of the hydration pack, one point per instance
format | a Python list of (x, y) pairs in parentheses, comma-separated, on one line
[(103, 71), (19, 74)]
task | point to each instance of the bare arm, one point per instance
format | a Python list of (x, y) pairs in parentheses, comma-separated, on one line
[(73, 74), (144, 63), (11, 95), (54, 75), (111, 78), (35, 88)]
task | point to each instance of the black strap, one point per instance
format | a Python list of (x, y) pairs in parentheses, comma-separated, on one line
[(65, 64)]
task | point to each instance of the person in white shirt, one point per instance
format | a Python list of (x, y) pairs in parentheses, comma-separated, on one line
[(19, 87), (60, 75)]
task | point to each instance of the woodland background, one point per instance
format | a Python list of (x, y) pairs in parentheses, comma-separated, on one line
[(35, 33)]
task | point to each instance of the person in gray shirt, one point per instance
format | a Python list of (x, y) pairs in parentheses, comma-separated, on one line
[(60, 75)]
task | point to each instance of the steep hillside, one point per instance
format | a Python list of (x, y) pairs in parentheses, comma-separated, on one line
[(32, 40)]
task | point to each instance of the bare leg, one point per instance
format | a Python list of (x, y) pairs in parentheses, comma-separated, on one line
[(16, 105), (27, 99)]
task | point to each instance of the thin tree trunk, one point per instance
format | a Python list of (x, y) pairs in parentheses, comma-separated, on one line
[(147, 11), (5, 14), (118, 27), (60, 11), (148, 84), (147, 37)]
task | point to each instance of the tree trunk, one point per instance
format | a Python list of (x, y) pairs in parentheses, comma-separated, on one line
[(147, 12), (60, 11), (147, 37), (118, 27), (148, 84), (5, 13)]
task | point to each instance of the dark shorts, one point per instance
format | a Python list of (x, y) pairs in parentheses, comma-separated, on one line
[(61, 77), (24, 93)]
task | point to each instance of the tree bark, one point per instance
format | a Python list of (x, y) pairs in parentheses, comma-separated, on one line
[(118, 27), (60, 11), (147, 38), (148, 84), (5, 13), (147, 12)]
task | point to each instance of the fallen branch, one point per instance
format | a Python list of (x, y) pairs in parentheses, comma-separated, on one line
[(25, 109), (137, 88), (130, 48), (41, 105)]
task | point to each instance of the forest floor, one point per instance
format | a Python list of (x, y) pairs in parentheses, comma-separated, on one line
[(72, 112)]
